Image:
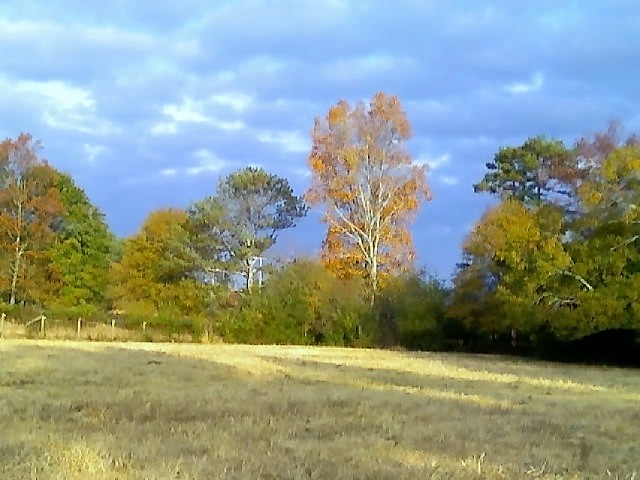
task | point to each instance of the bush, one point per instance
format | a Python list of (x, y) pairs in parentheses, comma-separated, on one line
[(301, 303), (21, 313), (171, 322), (411, 312), (71, 314)]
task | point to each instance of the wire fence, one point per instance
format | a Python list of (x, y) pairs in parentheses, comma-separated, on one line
[(116, 329)]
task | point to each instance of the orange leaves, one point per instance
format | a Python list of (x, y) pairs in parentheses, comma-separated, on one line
[(388, 107), (338, 113), (29, 206), (363, 177)]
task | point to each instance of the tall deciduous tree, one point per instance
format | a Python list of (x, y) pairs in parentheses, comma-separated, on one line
[(364, 177), (29, 206), (603, 239), (81, 253), (526, 258), (605, 247), (243, 219)]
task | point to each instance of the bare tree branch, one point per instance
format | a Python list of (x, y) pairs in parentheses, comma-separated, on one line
[(577, 277)]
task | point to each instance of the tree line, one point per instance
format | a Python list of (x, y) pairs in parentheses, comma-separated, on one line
[(554, 260), (558, 256)]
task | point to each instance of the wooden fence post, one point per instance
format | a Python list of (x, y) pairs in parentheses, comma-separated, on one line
[(113, 329), (2, 317), (42, 319), (79, 326), (144, 326)]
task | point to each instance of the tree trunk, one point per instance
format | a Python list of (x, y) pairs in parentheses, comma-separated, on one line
[(250, 270), (374, 280), (373, 273), (16, 269)]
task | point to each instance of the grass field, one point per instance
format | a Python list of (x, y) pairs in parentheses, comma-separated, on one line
[(81, 410)]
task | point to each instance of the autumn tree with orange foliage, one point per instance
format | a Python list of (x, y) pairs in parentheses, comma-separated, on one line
[(364, 178), (29, 207)]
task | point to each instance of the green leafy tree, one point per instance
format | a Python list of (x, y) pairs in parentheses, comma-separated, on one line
[(536, 172), (601, 287), (301, 303), (412, 310), (532, 265), (81, 253), (242, 221)]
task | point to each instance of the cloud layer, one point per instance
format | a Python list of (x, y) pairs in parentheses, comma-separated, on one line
[(147, 105)]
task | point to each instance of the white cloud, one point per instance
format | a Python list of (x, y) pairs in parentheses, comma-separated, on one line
[(375, 62), (236, 100), (260, 67), (433, 163), (425, 106), (51, 34), (93, 151), (533, 85), (61, 105), (363, 66), (164, 128), (207, 162), (186, 48), (290, 141), (197, 111), (188, 111), (65, 96), (448, 180), (169, 172), (228, 125)]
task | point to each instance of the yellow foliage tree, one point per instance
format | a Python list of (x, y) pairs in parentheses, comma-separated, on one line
[(364, 177), (157, 265), (512, 253), (612, 190)]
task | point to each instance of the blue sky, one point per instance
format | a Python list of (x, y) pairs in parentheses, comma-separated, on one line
[(146, 104)]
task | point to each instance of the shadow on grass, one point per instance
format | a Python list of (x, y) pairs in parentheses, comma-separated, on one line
[(469, 375), (558, 422), (589, 376), (103, 411)]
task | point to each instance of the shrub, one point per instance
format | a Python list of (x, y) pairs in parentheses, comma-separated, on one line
[(411, 312), (301, 303)]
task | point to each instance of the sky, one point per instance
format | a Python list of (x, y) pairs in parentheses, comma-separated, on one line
[(147, 103)]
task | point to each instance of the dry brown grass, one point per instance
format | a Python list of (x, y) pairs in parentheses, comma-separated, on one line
[(96, 331), (78, 410)]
